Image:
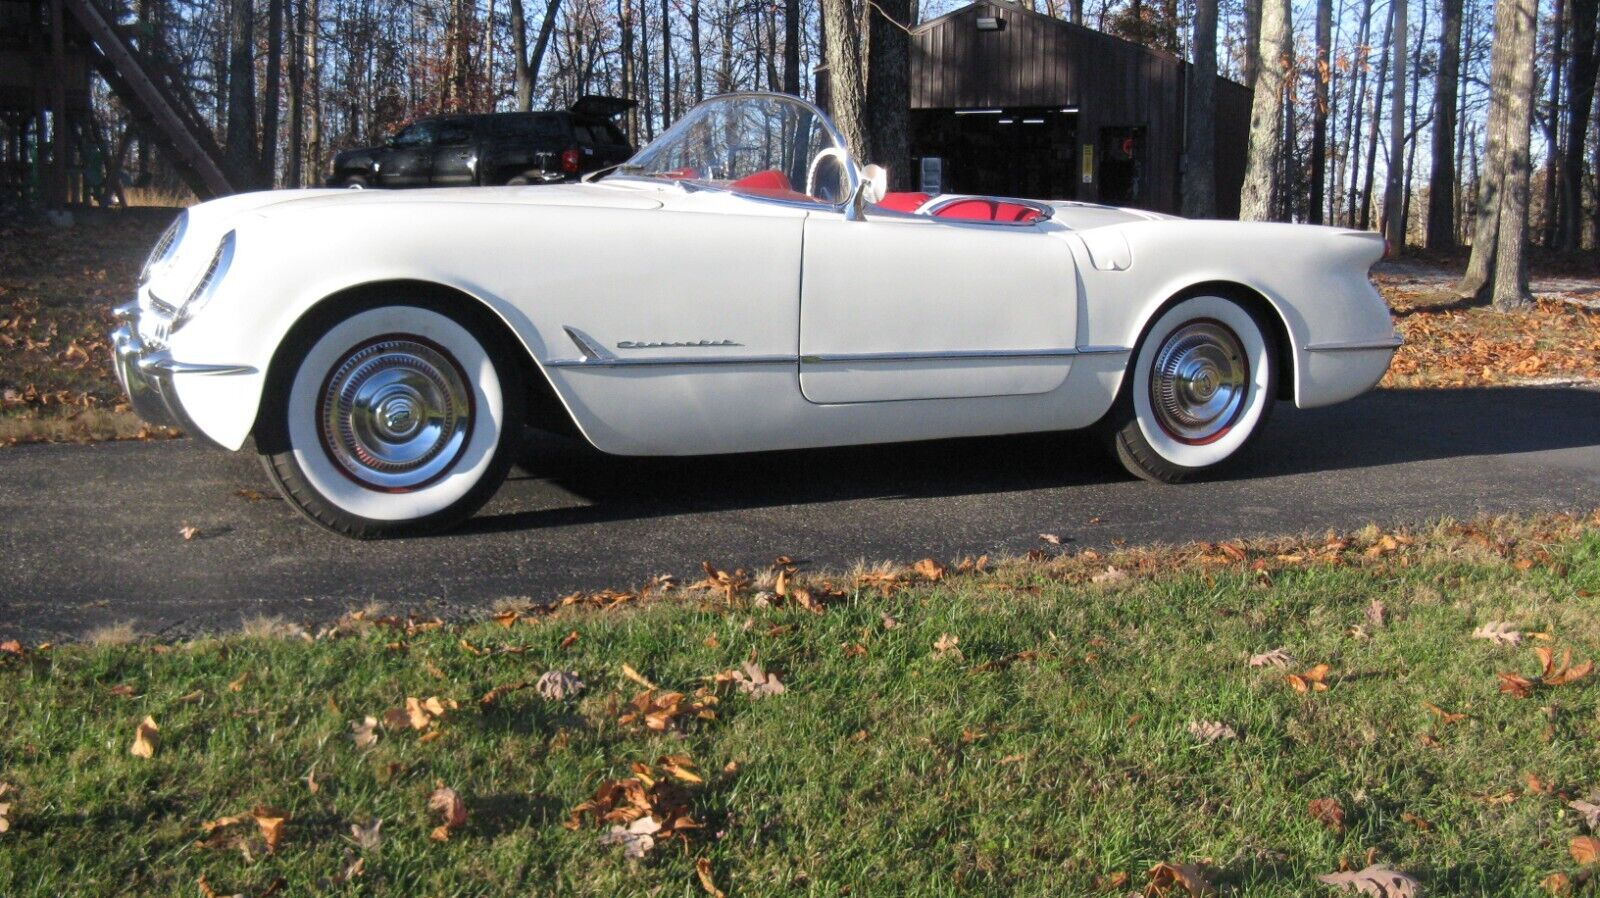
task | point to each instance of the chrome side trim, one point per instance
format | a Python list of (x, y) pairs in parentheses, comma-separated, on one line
[(940, 356), (1393, 342), (835, 358), (589, 346), (668, 361), (164, 362)]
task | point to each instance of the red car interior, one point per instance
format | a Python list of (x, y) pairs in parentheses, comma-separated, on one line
[(775, 184)]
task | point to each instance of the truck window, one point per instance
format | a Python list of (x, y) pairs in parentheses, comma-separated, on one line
[(454, 133), (527, 127)]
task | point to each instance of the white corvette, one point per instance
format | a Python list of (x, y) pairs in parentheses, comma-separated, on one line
[(738, 285)]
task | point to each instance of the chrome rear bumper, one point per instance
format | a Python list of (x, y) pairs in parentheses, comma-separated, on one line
[(147, 374)]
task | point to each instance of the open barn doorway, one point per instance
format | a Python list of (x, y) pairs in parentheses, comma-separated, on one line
[(1025, 152)]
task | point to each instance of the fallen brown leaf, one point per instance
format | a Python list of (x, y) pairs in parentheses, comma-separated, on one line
[(1328, 812), (144, 739), (1167, 879), (450, 807), (702, 870), (1375, 881)]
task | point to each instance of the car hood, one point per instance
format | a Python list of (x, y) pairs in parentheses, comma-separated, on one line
[(579, 194)]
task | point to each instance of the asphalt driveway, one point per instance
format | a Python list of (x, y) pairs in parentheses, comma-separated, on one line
[(90, 535)]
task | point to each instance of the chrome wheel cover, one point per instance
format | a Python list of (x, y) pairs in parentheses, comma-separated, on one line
[(1199, 382), (395, 413)]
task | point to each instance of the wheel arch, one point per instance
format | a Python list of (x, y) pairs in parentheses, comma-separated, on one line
[(1254, 301), (544, 404)]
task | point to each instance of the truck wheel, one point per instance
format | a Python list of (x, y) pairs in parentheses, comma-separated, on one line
[(394, 418), (517, 180), (355, 182)]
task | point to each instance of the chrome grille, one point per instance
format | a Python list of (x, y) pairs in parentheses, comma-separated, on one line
[(164, 246)]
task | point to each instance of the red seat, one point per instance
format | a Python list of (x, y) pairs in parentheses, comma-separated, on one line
[(771, 179), (903, 202), (988, 210)]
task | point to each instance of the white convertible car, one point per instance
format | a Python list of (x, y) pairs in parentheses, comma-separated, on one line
[(739, 285)]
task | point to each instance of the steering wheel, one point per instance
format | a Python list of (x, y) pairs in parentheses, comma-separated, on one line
[(835, 153)]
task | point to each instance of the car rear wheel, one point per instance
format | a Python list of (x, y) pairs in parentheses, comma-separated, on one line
[(392, 420), (355, 182), (1201, 386)]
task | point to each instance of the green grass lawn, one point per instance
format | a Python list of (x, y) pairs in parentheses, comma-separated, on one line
[(1017, 730)]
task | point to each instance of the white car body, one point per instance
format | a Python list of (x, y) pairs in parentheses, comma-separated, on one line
[(671, 320)]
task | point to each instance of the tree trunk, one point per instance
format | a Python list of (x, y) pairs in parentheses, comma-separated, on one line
[(1510, 105), (1413, 128), (240, 154), (541, 45), (1581, 74), (695, 50), (1360, 55), (1252, 41), (313, 29), (1200, 158), (1394, 173), (888, 100), (1319, 114), (1511, 262), (847, 83), (625, 26), (1372, 137), (1077, 12), (295, 176), (1260, 193), (1552, 124), (667, 90), (791, 47), (269, 114), (519, 54), (1442, 181)]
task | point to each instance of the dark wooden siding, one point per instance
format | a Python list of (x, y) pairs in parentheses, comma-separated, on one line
[(1038, 61)]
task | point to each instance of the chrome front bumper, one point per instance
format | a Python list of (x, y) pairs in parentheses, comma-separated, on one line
[(147, 373)]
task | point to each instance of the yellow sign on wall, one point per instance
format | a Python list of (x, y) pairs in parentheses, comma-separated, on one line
[(1088, 163)]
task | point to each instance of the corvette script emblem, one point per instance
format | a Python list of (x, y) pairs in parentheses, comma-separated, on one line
[(673, 344)]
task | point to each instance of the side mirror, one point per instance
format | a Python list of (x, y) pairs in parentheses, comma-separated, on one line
[(872, 188)]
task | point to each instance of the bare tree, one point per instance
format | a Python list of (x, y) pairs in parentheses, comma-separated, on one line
[(1319, 114), (1200, 143), (1581, 75), (240, 152), (1259, 196), (1442, 181), (888, 100), (1497, 269), (269, 111), (1394, 176), (847, 83)]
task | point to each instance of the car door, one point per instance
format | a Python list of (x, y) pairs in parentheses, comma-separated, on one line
[(913, 307), (455, 154), (409, 159)]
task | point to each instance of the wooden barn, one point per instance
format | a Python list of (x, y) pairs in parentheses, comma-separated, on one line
[(1011, 102)]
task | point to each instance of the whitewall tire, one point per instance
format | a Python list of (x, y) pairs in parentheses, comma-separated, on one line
[(395, 419), (1202, 382)]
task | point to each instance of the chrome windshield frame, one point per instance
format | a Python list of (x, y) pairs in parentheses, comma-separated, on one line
[(852, 168)]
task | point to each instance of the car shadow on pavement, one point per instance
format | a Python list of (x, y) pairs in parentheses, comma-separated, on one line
[(1385, 427)]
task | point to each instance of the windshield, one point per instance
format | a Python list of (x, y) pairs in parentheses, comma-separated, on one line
[(769, 145)]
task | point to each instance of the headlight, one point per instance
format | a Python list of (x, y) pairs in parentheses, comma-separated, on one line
[(165, 247), (207, 286)]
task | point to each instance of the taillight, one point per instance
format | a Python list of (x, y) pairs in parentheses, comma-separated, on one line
[(570, 157)]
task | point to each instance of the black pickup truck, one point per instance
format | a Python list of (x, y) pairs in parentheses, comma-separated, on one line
[(495, 148)]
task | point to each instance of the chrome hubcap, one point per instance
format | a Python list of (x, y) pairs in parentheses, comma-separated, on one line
[(395, 414), (1199, 382)]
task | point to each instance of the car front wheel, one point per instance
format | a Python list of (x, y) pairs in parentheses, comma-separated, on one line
[(1201, 386), (393, 420)]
